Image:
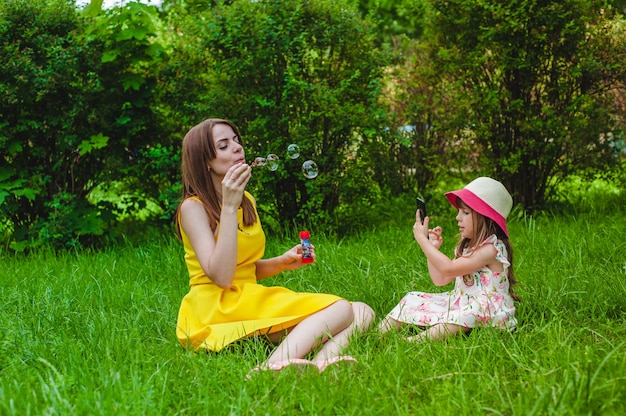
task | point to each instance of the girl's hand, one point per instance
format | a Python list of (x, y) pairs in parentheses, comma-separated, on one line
[(435, 237), (292, 259), (432, 235), (233, 185), (420, 229)]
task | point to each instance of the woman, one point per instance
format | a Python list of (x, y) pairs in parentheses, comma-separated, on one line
[(224, 243)]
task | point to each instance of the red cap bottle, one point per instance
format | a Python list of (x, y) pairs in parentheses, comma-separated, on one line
[(307, 250)]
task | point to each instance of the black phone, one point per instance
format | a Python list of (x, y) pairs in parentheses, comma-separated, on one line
[(421, 206)]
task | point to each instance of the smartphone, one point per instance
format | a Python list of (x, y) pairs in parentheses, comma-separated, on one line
[(421, 206)]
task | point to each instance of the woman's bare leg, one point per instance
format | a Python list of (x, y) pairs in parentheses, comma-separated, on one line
[(313, 331), (363, 318)]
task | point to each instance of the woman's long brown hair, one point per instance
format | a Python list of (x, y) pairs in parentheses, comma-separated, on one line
[(483, 228), (198, 150)]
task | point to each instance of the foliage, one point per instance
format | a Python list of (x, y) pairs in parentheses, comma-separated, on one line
[(294, 72), (389, 98), (531, 81), (183, 80), (141, 160), (418, 152), (395, 19), (42, 141), (76, 113), (620, 5)]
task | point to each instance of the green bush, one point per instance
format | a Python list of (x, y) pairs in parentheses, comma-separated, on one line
[(532, 85), (77, 113), (296, 72)]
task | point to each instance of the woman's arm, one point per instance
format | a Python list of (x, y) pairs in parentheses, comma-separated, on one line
[(218, 259), (290, 260)]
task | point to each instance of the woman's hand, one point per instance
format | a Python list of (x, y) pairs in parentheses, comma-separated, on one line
[(233, 185), (292, 259)]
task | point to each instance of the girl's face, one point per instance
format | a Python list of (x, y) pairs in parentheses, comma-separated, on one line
[(465, 220), (228, 149)]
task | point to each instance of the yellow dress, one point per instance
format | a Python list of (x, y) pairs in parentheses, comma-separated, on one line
[(211, 317)]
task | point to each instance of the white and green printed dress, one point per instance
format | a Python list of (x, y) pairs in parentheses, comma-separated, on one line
[(483, 301)]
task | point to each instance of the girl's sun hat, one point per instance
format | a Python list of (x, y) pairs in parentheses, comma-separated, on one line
[(486, 196)]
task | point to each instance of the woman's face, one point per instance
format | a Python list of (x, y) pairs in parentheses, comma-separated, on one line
[(228, 149)]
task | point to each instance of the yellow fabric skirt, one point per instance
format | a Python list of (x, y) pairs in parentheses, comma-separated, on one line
[(211, 317)]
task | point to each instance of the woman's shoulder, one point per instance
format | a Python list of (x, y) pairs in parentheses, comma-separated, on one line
[(191, 202), (192, 212), (192, 207), (192, 198)]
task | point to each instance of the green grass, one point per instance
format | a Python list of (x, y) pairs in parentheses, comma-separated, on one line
[(93, 332)]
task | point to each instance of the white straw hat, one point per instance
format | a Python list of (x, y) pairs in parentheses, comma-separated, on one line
[(486, 196)]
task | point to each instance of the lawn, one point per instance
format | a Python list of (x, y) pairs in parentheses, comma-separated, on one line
[(92, 332)]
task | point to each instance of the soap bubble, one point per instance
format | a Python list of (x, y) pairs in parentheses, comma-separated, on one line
[(293, 151), (272, 162), (259, 161), (309, 169)]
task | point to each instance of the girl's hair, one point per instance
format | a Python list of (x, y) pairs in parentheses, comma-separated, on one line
[(198, 150), (483, 228)]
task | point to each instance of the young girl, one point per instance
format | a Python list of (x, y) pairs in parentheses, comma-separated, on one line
[(224, 243), (481, 269)]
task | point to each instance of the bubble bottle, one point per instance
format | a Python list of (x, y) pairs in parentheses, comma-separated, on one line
[(307, 250)]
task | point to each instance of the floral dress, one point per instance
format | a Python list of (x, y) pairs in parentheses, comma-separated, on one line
[(482, 301)]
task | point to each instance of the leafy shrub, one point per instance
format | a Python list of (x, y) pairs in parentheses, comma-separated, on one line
[(295, 72), (76, 110), (532, 82)]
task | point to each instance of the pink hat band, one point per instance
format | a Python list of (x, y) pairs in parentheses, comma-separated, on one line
[(486, 196)]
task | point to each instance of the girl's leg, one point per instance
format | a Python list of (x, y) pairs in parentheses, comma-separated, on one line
[(388, 324), (313, 331), (363, 318), (438, 331)]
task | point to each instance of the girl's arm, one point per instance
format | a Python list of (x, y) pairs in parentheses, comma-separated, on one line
[(444, 270), (218, 259), (290, 260)]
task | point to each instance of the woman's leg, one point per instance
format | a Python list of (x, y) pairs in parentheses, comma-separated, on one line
[(363, 318), (314, 330)]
